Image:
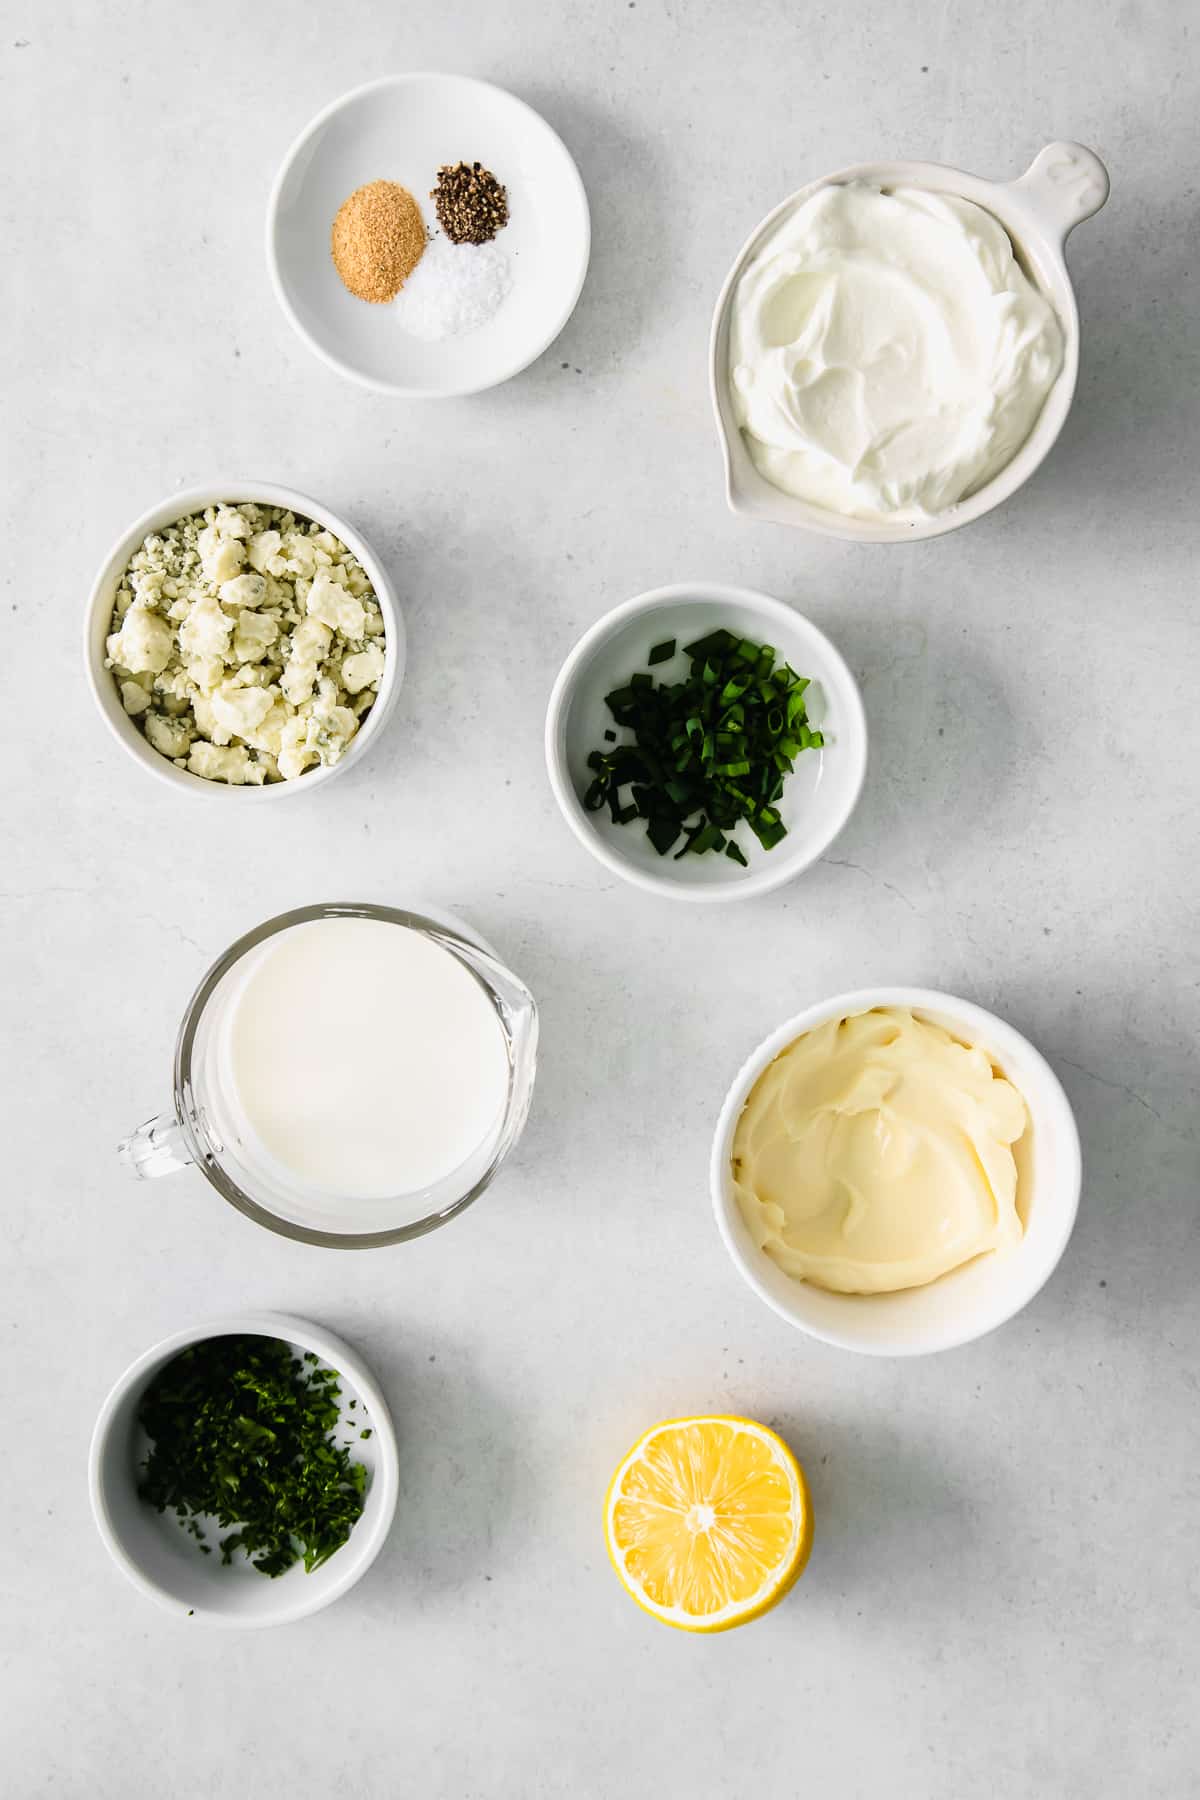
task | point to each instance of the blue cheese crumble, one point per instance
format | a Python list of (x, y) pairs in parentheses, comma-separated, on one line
[(247, 644)]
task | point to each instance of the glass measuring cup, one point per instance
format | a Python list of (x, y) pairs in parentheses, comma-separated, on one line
[(206, 1129)]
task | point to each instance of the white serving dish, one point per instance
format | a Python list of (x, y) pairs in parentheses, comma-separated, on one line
[(158, 1555), (98, 625), (1064, 185), (817, 799), (403, 128), (969, 1301)]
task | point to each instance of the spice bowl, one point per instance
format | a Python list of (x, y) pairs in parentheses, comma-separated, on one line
[(98, 625), (818, 798), (165, 1563), (1064, 185), (980, 1295), (402, 129)]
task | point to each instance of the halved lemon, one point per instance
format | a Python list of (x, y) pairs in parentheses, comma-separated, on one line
[(708, 1522)]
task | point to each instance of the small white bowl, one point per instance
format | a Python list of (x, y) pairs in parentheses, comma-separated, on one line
[(403, 128), (817, 799), (98, 625), (970, 1301), (158, 1555), (1064, 185)]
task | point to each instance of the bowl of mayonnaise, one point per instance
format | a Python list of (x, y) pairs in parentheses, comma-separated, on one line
[(896, 347), (896, 1171)]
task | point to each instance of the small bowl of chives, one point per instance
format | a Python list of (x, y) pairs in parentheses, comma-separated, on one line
[(705, 743)]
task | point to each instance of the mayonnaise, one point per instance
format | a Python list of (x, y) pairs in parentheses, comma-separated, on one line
[(875, 1153), (887, 354)]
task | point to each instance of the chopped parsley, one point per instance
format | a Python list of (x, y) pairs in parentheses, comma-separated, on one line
[(242, 1431)]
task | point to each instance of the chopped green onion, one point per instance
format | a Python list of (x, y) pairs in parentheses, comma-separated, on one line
[(662, 834), (708, 751)]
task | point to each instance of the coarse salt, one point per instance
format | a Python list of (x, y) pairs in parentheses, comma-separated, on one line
[(453, 289)]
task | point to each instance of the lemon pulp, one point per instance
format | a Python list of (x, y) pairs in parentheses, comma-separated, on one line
[(708, 1521)]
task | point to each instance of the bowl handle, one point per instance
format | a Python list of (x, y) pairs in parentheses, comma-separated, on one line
[(1063, 185)]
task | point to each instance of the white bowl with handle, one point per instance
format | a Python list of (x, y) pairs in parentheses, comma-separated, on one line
[(98, 625), (973, 1299), (155, 1551), (1064, 185)]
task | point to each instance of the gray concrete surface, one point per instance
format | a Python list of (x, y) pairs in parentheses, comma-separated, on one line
[(1002, 1597)]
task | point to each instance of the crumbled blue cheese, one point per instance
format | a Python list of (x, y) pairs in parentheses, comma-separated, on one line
[(247, 643), (143, 643), (255, 634), (334, 607), (308, 650), (169, 736), (134, 697), (363, 669)]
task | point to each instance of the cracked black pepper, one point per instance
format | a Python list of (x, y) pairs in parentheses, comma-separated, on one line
[(471, 205)]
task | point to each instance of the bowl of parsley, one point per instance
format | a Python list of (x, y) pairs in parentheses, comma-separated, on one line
[(244, 1472)]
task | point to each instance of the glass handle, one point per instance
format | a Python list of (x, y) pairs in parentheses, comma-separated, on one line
[(156, 1148)]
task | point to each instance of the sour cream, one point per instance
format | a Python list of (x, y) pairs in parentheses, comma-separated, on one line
[(363, 1059), (888, 355), (876, 1153)]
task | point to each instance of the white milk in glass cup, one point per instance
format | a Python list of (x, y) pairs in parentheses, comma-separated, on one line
[(349, 1075)]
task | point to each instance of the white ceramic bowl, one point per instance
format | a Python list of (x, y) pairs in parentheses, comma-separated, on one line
[(817, 799), (1065, 184), (403, 128), (972, 1300), (98, 625), (159, 1557)]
